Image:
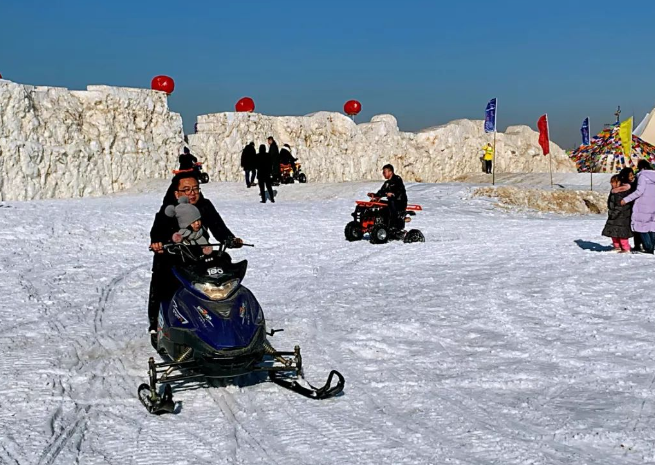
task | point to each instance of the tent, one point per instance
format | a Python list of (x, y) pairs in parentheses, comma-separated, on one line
[(604, 154), (646, 129)]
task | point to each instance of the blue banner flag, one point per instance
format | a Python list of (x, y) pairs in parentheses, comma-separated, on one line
[(490, 116), (585, 131)]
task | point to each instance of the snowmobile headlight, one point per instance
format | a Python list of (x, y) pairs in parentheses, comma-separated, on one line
[(215, 292)]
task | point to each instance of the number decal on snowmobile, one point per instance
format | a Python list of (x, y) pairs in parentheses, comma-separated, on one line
[(213, 271)]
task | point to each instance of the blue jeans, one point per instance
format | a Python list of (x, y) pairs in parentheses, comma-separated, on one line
[(648, 239), (250, 177)]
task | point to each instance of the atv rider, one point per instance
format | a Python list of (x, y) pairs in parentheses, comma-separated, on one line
[(163, 284), (287, 159), (394, 190), (187, 161)]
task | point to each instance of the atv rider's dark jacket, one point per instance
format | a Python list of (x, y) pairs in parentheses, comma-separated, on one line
[(395, 185), (163, 283), (187, 161), (286, 158)]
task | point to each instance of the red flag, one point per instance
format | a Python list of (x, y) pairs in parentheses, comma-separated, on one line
[(542, 124)]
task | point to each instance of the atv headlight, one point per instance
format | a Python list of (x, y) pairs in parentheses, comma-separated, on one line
[(215, 292)]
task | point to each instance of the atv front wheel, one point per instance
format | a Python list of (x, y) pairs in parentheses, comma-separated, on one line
[(379, 234), (353, 231), (204, 178), (414, 235), (302, 178)]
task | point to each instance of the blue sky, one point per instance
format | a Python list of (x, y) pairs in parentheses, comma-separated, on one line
[(426, 62)]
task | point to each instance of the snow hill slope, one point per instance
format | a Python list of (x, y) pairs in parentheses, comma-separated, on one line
[(505, 338)]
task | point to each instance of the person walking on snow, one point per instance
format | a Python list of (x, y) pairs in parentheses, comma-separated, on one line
[(643, 210), (274, 157), (249, 163), (488, 157), (264, 174), (618, 216)]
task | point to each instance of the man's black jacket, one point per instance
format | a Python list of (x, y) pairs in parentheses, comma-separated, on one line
[(395, 185), (164, 226)]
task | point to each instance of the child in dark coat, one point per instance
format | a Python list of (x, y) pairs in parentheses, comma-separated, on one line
[(618, 217)]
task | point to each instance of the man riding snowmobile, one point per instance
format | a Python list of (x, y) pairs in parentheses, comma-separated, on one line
[(394, 190), (163, 284)]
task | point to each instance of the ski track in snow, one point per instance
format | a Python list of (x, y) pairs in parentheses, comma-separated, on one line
[(500, 340)]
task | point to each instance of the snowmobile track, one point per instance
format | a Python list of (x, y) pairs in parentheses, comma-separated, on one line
[(60, 439), (227, 404), (106, 293)]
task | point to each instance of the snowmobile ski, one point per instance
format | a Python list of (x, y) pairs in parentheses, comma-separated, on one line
[(312, 392), (156, 404)]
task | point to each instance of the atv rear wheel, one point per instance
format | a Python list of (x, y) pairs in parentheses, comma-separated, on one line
[(302, 178), (414, 235), (353, 231), (204, 178), (379, 234)]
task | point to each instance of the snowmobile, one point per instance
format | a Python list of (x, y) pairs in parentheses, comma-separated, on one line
[(288, 176), (213, 327), (373, 217), (203, 178)]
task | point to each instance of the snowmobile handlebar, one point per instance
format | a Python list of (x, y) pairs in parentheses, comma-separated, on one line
[(172, 246)]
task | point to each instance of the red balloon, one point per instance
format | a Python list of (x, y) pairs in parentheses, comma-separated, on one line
[(245, 104), (352, 107), (163, 83)]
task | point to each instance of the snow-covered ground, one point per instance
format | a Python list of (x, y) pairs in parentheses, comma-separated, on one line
[(506, 338)]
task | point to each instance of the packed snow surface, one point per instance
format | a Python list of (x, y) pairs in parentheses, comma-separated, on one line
[(506, 338)]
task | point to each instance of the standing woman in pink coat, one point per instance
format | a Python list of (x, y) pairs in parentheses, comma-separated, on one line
[(643, 211)]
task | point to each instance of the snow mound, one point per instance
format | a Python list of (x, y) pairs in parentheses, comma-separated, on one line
[(555, 201), (55, 142)]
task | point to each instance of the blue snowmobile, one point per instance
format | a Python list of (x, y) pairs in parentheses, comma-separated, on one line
[(213, 327)]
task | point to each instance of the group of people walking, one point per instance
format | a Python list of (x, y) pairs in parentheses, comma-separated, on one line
[(265, 166), (631, 209)]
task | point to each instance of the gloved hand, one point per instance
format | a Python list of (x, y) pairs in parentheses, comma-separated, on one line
[(235, 243)]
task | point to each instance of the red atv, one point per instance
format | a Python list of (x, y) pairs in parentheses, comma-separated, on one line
[(373, 218), (289, 176)]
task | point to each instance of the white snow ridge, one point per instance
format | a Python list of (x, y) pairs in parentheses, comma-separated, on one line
[(505, 338)]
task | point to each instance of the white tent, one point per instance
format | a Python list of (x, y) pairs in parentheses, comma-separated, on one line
[(646, 129)]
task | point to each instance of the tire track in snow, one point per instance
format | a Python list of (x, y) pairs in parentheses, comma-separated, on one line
[(60, 439), (227, 403), (106, 294)]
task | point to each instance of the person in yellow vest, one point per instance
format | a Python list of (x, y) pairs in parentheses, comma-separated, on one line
[(488, 157)]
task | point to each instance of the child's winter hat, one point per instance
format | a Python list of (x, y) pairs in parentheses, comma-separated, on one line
[(184, 212)]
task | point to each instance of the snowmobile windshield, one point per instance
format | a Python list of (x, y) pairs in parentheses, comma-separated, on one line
[(216, 279)]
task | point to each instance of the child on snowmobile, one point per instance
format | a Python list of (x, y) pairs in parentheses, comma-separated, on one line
[(394, 190), (189, 221)]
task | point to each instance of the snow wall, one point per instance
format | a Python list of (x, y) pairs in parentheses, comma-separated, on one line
[(55, 142), (331, 147)]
